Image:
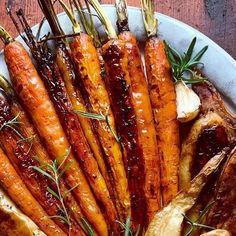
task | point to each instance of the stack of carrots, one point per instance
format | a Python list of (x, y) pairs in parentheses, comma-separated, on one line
[(90, 144)]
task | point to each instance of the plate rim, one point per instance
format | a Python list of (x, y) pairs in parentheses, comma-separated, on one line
[(169, 18)]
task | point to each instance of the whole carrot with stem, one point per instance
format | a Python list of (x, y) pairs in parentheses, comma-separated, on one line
[(31, 137), (118, 82), (163, 100), (70, 79), (143, 113), (86, 158), (35, 98), (87, 64), (16, 189)]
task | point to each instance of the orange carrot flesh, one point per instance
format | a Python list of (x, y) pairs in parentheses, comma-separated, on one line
[(22, 156), (42, 157), (163, 100), (33, 95), (70, 122), (87, 63), (16, 189), (118, 83), (145, 125), (78, 103)]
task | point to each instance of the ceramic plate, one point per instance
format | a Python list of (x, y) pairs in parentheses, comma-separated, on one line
[(220, 67)]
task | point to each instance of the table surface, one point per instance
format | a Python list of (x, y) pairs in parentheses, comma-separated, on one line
[(215, 18)]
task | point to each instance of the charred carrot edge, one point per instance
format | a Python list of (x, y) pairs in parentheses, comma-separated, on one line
[(42, 157), (87, 64), (143, 113), (22, 157), (118, 84), (72, 126), (33, 95), (65, 66), (92, 35), (16, 189), (163, 100)]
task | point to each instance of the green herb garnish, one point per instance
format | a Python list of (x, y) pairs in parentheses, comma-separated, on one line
[(87, 226), (101, 117), (127, 230), (195, 223), (54, 172), (185, 64)]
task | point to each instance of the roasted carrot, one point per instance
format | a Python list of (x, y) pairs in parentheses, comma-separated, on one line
[(70, 121), (118, 83), (87, 66), (18, 147), (35, 98), (16, 189), (163, 100), (31, 136), (143, 113)]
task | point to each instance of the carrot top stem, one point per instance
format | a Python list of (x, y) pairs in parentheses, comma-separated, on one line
[(5, 36), (109, 29), (88, 24), (48, 10), (71, 15), (150, 22), (122, 14)]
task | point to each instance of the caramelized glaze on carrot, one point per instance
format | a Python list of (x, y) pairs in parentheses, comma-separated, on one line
[(118, 83), (33, 95), (145, 125)]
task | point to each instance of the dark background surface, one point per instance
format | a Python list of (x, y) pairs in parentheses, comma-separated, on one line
[(215, 18)]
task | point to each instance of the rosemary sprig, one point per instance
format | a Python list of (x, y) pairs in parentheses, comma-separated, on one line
[(28, 140), (54, 172), (127, 228), (12, 124), (185, 64), (195, 224), (87, 227), (101, 117)]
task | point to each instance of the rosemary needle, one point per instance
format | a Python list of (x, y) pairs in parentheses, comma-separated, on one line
[(186, 63)]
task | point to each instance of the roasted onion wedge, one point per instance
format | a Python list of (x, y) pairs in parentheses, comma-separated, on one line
[(169, 220), (13, 222), (223, 212)]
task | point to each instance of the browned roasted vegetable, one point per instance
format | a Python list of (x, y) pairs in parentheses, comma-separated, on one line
[(169, 220), (31, 136), (35, 99), (212, 101), (143, 113), (163, 100), (207, 136), (223, 213), (16, 189), (118, 83), (88, 65), (13, 222), (19, 150)]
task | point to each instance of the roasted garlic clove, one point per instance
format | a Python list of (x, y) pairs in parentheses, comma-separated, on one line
[(188, 102)]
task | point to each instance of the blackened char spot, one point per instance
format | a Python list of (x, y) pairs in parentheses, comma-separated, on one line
[(127, 129), (211, 141)]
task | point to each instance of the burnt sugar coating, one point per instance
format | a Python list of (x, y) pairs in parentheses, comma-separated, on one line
[(118, 83), (210, 142)]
